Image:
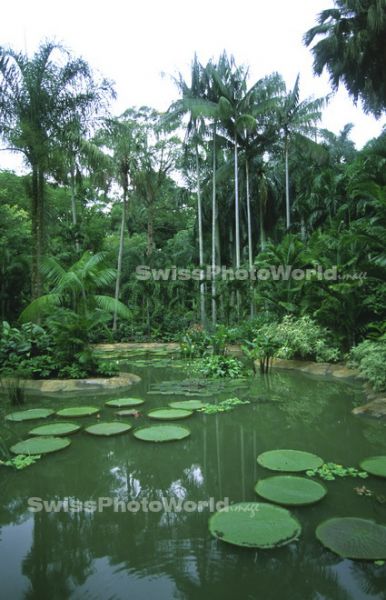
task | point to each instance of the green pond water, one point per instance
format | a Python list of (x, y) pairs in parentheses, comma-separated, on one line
[(163, 555)]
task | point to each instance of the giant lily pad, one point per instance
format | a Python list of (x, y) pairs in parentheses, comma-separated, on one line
[(77, 411), (40, 445), (375, 465), (125, 402), (290, 490), (255, 525), (187, 404), (169, 414), (161, 433), (108, 429), (355, 538), (289, 460), (55, 429), (30, 414)]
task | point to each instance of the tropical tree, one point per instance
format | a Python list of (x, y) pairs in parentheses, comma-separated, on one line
[(297, 120), (76, 288), (352, 49), (39, 97)]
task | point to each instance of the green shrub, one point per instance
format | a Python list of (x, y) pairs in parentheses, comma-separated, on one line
[(216, 367), (303, 338), (370, 358)]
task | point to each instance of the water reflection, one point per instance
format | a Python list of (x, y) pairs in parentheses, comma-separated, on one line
[(171, 555)]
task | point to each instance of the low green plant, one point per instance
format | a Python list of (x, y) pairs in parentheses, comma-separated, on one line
[(108, 368), (330, 471), (21, 461), (223, 406), (194, 343), (304, 338), (369, 357), (263, 348), (216, 367)]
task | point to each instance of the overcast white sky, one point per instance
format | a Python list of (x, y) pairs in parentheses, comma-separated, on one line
[(134, 42)]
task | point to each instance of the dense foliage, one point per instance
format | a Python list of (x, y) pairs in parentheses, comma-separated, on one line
[(121, 206)]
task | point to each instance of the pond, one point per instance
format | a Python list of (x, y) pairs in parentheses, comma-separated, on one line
[(159, 555)]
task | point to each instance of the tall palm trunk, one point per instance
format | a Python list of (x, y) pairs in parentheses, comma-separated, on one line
[(73, 208), (237, 212), (250, 256), (287, 198), (120, 256), (200, 242), (237, 221), (37, 216), (214, 230)]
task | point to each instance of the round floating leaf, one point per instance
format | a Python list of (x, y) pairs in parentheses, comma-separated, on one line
[(40, 445), (30, 414), (289, 460), (255, 525), (187, 404), (77, 411), (169, 414), (55, 429), (354, 538), (107, 429), (124, 402), (290, 490), (375, 465), (130, 412), (161, 433)]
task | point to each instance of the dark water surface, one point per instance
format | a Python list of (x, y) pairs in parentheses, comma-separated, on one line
[(142, 555)]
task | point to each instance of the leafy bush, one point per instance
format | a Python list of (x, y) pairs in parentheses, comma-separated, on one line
[(108, 369), (303, 338), (194, 342), (299, 338), (61, 350), (218, 366), (370, 358)]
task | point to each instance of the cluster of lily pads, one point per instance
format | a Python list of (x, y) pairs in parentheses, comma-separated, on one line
[(265, 525), (50, 437)]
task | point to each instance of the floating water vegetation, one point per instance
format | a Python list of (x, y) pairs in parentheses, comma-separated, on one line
[(169, 414), (55, 429), (187, 404), (125, 402), (354, 538), (107, 429), (290, 490), (162, 433), (30, 414), (198, 387), (223, 406), (289, 460), (40, 445), (77, 411), (21, 461), (330, 471), (375, 465), (255, 525)]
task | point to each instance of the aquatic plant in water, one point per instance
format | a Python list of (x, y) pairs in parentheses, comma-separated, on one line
[(223, 406), (330, 471), (21, 461)]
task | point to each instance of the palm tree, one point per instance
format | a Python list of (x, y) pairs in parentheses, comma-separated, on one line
[(194, 101), (123, 138), (297, 119), (352, 49), (39, 98), (76, 288)]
